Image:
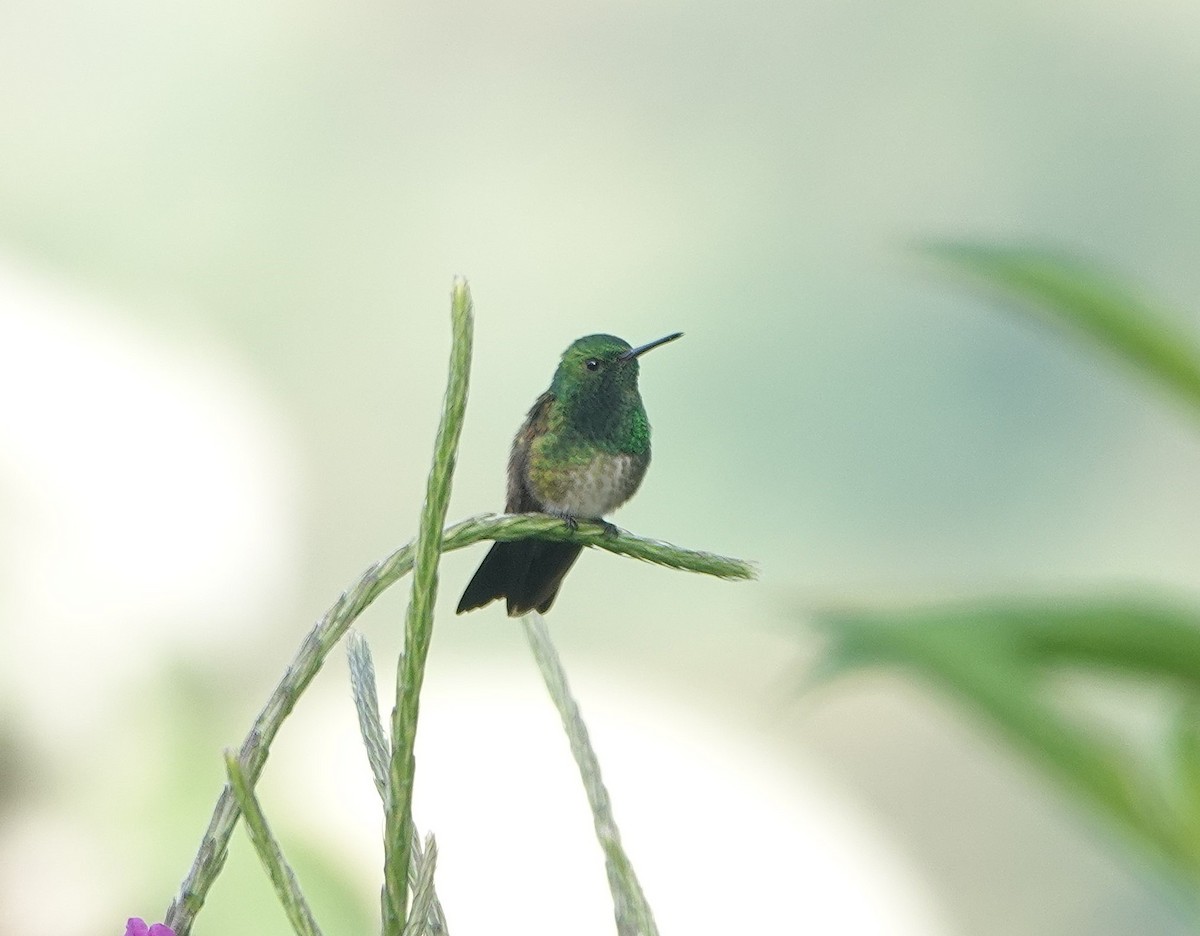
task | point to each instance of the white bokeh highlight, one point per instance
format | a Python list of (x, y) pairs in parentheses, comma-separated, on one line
[(726, 836), (150, 491)]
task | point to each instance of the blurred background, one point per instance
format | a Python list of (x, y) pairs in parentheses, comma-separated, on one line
[(227, 236)]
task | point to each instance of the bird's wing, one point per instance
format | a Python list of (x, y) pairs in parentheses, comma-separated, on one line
[(520, 498)]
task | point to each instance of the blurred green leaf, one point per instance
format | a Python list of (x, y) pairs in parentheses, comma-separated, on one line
[(1091, 302), (1185, 758), (997, 660)]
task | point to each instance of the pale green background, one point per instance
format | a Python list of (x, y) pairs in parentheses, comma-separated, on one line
[(285, 189)]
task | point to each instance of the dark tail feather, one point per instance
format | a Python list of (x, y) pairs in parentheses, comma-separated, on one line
[(526, 572), (548, 565), (499, 567)]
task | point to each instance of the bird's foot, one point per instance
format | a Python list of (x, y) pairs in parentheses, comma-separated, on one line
[(572, 522)]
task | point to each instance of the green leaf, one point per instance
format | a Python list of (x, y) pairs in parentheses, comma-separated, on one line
[(1184, 758), (997, 660), (1092, 303), (1128, 634)]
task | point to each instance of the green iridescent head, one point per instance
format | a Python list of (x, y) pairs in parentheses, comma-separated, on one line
[(600, 364)]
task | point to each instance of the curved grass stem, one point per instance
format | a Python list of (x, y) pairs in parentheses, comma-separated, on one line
[(630, 908), (418, 623), (333, 625)]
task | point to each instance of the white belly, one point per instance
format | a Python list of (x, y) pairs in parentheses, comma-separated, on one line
[(600, 488)]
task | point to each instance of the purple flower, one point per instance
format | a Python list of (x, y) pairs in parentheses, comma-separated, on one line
[(137, 927)]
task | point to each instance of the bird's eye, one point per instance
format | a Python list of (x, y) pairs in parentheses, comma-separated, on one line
[(592, 364)]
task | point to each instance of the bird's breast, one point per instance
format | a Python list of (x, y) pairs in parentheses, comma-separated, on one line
[(588, 488)]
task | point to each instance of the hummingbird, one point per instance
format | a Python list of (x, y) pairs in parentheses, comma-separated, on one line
[(581, 453)]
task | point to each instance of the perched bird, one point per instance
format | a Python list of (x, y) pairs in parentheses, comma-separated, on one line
[(581, 453)]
